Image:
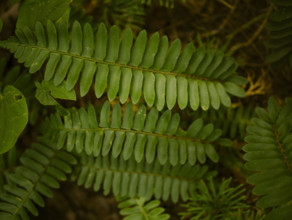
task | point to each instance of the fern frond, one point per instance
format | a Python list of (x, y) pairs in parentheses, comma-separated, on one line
[(132, 179), (127, 68), (269, 153), (215, 201), (280, 27), (137, 208), (146, 135), (42, 168)]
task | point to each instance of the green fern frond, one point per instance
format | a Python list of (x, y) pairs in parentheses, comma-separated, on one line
[(128, 68), (280, 27), (146, 135), (269, 153), (42, 168), (215, 201), (137, 208), (132, 179)]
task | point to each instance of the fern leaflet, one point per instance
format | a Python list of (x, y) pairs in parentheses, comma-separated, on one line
[(132, 179)]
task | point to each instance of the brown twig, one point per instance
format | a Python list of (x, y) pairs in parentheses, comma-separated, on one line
[(256, 33), (224, 22), (259, 86)]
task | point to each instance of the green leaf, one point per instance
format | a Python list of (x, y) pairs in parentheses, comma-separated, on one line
[(234, 89), (13, 117), (47, 91), (59, 92), (43, 95), (41, 10)]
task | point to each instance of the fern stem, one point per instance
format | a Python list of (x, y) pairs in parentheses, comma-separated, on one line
[(141, 173), (141, 208), (122, 65), (132, 131), (279, 144), (35, 184)]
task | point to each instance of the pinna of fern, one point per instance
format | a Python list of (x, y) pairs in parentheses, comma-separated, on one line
[(232, 121), (140, 209), (126, 68), (42, 168), (268, 153), (215, 201), (145, 135), (128, 178)]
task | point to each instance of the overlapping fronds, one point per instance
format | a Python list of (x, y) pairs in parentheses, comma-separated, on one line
[(42, 168), (215, 201), (233, 121), (127, 68), (132, 179), (269, 153), (146, 135), (280, 27), (137, 208)]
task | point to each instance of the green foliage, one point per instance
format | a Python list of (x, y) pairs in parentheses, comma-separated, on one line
[(148, 136), (268, 151), (41, 10), (50, 91), (165, 75), (280, 27), (129, 178), (47, 92), (216, 201), (13, 117), (233, 121), (42, 168), (133, 145), (22, 81), (138, 209)]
